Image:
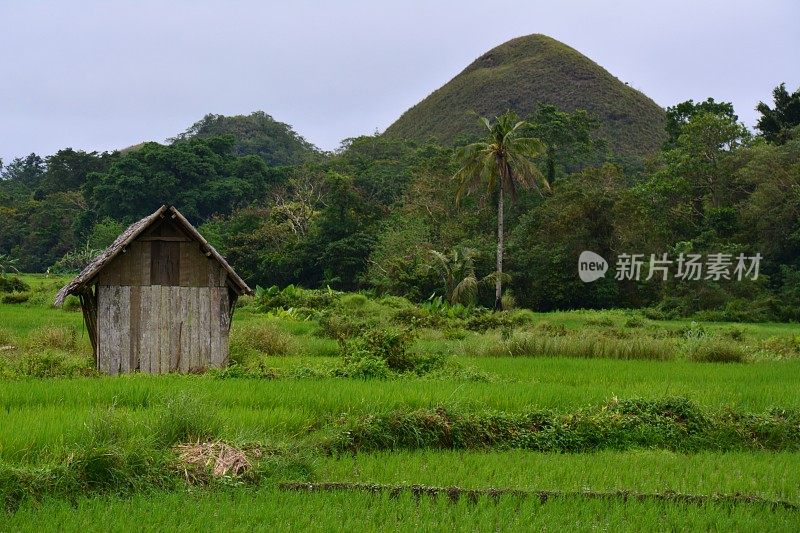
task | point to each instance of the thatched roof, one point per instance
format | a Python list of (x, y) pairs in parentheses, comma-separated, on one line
[(88, 274)]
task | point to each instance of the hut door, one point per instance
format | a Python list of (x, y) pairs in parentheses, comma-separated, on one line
[(165, 263)]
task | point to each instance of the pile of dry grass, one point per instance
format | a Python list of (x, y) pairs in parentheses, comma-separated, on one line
[(218, 459)]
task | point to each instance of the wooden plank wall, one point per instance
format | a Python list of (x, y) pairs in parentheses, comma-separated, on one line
[(160, 329), (148, 263), (167, 312)]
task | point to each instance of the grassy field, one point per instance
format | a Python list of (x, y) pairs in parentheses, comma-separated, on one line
[(632, 409), (247, 509)]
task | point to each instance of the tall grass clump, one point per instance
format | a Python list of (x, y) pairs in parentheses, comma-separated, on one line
[(57, 337), (703, 346), (50, 363), (353, 300), (186, 418), (716, 351), (589, 346), (256, 338), (781, 347)]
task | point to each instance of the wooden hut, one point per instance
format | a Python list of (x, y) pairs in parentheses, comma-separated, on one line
[(159, 299)]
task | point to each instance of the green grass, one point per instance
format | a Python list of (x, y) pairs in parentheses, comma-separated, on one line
[(770, 475), (48, 424), (40, 417), (273, 510)]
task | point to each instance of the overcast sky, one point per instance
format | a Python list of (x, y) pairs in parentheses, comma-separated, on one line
[(104, 75)]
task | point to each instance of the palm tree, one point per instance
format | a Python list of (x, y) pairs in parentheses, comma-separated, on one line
[(502, 163), (7, 263), (458, 274)]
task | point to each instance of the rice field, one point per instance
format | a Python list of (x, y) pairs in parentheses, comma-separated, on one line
[(274, 510), (62, 426)]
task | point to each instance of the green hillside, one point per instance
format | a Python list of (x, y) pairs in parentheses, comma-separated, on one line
[(255, 134), (525, 72)]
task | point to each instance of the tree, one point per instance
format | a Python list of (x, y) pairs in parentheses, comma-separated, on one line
[(702, 145), (503, 163), (776, 124), (67, 170), (7, 263), (545, 244), (679, 115), (26, 171), (342, 242), (564, 135)]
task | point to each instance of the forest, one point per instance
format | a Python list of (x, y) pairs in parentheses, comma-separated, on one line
[(380, 214)]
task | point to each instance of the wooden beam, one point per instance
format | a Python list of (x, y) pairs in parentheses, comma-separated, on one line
[(164, 238)]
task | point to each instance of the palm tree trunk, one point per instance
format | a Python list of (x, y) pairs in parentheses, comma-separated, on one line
[(498, 284)]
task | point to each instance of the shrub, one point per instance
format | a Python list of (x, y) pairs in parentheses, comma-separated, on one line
[(255, 368), (487, 320), (694, 331), (548, 328), (13, 284), (293, 296), (390, 344), (523, 316), (454, 334), (735, 334), (508, 301), (415, 317), (379, 353), (739, 310), (57, 337), (335, 325), (654, 313), (15, 298), (717, 351), (353, 301), (600, 321), (309, 372), (635, 322), (670, 423), (396, 302), (245, 300), (363, 365)]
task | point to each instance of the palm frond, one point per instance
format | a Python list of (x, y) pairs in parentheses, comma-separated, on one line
[(465, 292), (504, 155), (490, 279)]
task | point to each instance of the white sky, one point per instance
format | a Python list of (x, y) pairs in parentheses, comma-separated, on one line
[(107, 74)]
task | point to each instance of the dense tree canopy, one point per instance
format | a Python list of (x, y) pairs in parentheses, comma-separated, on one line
[(380, 213), (776, 124), (200, 176), (680, 114), (254, 134), (568, 138)]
